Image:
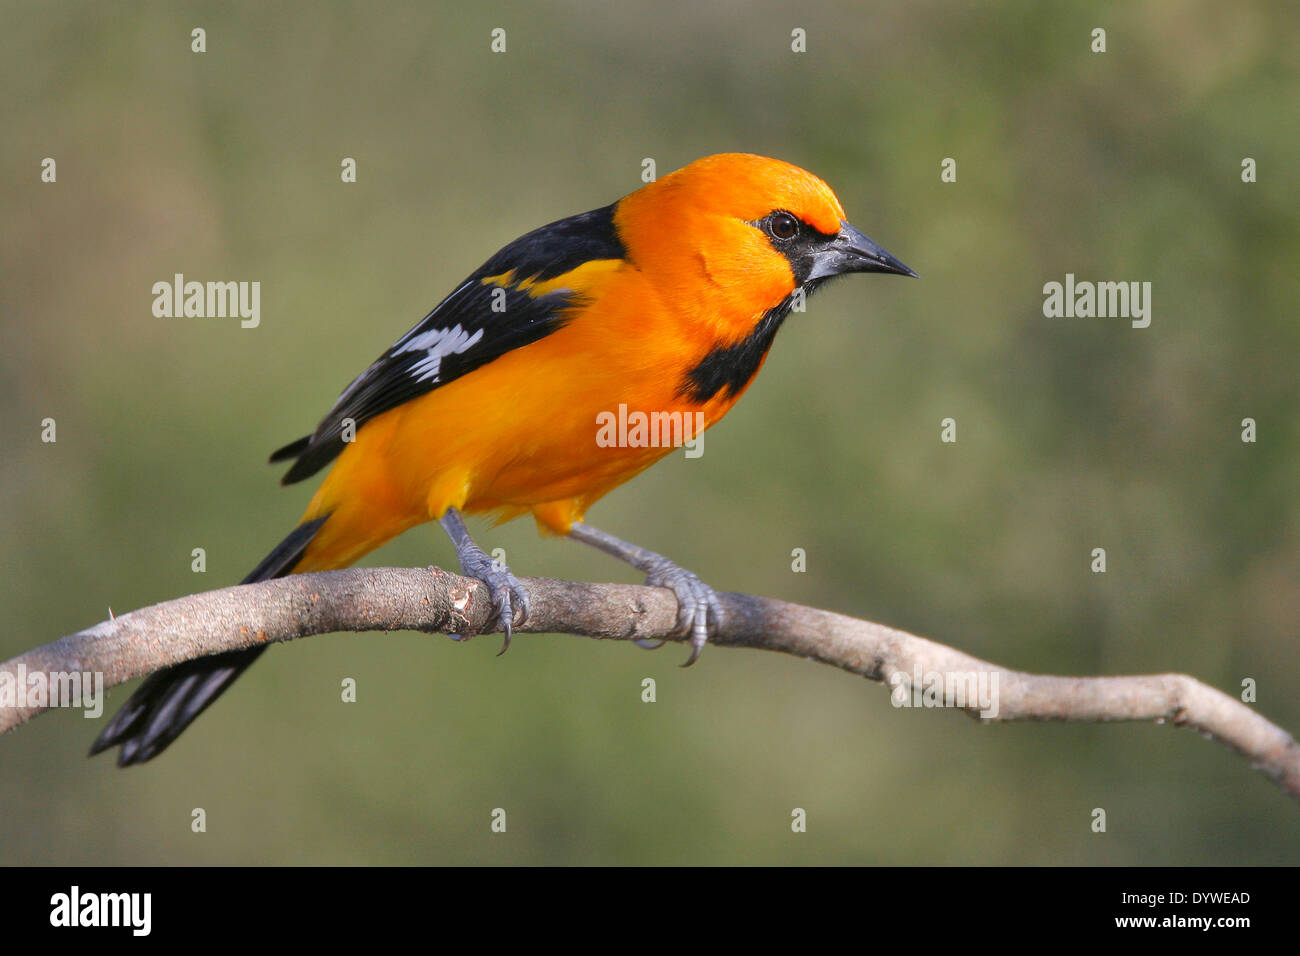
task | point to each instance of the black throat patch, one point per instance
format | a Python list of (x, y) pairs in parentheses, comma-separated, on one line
[(732, 367)]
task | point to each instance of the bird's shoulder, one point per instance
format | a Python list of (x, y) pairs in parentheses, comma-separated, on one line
[(524, 292)]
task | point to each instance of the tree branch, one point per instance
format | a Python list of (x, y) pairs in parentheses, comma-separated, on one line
[(435, 601)]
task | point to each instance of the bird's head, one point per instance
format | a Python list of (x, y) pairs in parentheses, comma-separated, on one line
[(753, 229)]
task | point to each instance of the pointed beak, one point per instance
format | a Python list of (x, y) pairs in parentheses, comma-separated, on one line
[(851, 251)]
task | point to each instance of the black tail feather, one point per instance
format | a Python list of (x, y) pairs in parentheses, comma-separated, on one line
[(291, 450), (168, 701), (286, 555)]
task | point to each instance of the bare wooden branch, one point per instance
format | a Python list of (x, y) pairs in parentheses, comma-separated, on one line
[(436, 601)]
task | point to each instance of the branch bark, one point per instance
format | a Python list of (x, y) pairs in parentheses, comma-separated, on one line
[(435, 601)]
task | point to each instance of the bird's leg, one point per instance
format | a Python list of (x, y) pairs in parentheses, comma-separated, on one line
[(699, 612), (509, 596)]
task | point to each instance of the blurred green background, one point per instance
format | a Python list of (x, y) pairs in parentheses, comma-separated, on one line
[(1073, 433)]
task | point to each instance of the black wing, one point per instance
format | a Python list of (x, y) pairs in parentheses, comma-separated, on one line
[(463, 332)]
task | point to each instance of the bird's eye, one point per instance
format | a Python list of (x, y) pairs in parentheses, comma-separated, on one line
[(782, 226)]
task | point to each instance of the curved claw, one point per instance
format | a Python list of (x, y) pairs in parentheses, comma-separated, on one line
[(505, 615), (648, 645), (510, 599), (708, 610)]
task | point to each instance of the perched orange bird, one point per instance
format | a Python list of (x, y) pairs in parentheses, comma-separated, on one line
[(664, 302)]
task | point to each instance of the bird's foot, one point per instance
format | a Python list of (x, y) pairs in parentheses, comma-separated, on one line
[(699, 611), (509, 596)]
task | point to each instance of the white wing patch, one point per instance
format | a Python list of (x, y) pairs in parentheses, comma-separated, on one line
[(437, 344)]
